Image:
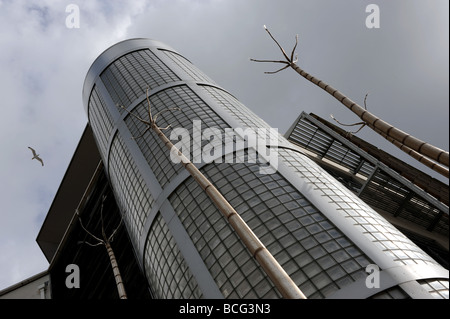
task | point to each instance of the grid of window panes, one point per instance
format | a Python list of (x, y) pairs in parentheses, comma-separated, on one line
[(374, 226), (318, 256), (187, 67), (435, 219), (100, 120), (191, 108), (235, 271), (131, 192), (394, 197), (383, 191), (391, 293), (239, 111), (438, 288), (309, 136), (166, 270), (128, 77)]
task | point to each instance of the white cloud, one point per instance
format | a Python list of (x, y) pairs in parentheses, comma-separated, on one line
[(43, 66)]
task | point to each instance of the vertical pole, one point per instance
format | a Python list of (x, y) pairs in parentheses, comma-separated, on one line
[(273, 269), (115, 268)]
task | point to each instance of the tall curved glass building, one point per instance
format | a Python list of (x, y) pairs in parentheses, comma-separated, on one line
[(323, 235)]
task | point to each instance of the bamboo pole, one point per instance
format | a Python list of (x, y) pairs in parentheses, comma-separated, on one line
[(422, 159), (116, 271), (273, 269), (406, 142), (382, 127), (106, 241), (285, 285), (416, 155)]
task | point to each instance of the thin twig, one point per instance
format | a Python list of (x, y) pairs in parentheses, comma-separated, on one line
[(92, 245), (111, 238), (165, 110), (149, 105), (107, 243), (281, 48), (402, 140), (289, 60), (151, 119), (87, 231), (280, 278), (101, 218), (354, 124)]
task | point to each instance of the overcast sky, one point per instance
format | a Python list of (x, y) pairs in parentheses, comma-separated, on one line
[(403, 65)]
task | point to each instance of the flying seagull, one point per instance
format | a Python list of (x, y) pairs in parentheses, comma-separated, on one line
[(36, 156)]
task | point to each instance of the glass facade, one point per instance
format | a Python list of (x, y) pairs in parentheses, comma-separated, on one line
[(167, 272), (317, 256), (320, 233)]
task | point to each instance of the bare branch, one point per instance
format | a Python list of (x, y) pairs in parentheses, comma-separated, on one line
[(165, 110), (132, 114), (288, 62), (111, 238), (92, 245), (354, 124), (281, 48), (149, 106), (135, 138), (273, 72), (293, 50), (151, 119), (107, 243), (101, 218), (402, 140), (362, 126), (272, 61), (82, 226)]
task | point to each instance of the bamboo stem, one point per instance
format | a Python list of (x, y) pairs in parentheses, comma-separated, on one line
[(382, 127), (273, 269), (416, 148), (106, 241), (115, 268)]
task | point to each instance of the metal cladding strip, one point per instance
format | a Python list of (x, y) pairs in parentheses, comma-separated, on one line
[(187, 248), (110, 55), (334, 214), (222, 113), (173, 184), (115, 117), (184, 243), (205, 281), (329, 209), (391, 277)]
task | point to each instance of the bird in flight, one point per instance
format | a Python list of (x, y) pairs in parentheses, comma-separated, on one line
[(36, 156)]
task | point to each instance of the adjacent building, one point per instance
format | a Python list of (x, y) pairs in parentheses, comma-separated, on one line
[(410, 199)]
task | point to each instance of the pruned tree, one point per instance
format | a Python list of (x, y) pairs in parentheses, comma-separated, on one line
[(270, 265), (106, 241), (426, 153)]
